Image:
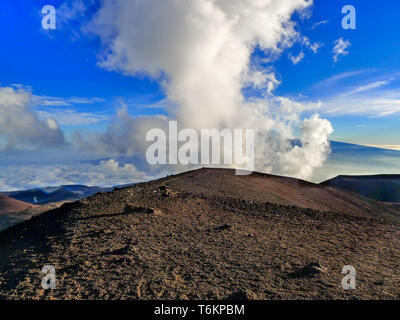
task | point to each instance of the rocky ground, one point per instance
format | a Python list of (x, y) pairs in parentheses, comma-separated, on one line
[(184, 237)]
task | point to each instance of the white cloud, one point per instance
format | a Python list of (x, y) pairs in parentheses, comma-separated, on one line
[(376, 98), (72, 13), (105, 173), (112, 166), (162, 104), (204, 47), (71, 10), (314, 47), (377, 104), (47, 106), (314, 136), (20, 125), (71, 117), (340, 48), (260, 79), (367, 87), (319, 23), (334, 80), (201, 53), (305, 42), (64, 102), (296, 59)]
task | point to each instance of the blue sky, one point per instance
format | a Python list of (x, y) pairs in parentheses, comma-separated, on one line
[(359, 93), (63, 63)]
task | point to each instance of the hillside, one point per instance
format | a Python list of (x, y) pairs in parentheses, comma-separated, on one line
[(9, 205), (279, 190), (11, 211), (14, 211), (379, 187), (207, 234)]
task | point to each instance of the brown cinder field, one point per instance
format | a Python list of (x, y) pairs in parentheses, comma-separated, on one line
[(207, 234)]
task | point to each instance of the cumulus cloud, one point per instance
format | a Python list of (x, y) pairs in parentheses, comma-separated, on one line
[(340, 48), (201, 53), (21, 127), (125, 135), (203, 47), (113, 166), (314, 137)]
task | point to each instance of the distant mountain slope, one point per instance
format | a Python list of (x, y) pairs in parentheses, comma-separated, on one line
[(357, 160), (55, 194), (379, 187), (38, 196), (207, 234), (10, 205), (12, 211), (84, 191)]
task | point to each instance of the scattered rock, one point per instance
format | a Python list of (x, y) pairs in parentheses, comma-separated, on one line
[(136, 209), (166, 192), (310, 270), (379, 283), (206, 233), (120, 251), (223, 227), (87, 263), (242, 295)]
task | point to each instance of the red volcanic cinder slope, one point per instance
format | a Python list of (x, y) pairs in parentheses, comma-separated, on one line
[(278, 190), (10, 205), (207, 234)]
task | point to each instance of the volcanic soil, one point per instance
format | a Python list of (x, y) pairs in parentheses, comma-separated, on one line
[(207, 234)]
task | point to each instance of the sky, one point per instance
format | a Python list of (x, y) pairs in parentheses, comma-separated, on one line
[(74, 100)]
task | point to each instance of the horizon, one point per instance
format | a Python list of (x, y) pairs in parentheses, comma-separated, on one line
[(43, 187)]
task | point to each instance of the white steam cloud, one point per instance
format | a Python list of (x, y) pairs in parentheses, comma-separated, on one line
[(200, 50)]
